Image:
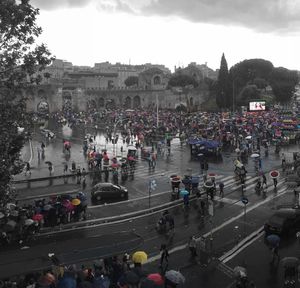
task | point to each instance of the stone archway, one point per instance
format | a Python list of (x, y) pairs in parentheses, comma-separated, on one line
[(136, 101), (101, 102), (91, 106), (127, 103), (157, 80), (67, 102), (43, 108), (191, 102), (110, 104)]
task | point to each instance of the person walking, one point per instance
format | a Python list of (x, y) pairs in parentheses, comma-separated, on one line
[(27, 169), (264, 178), (65, 168), (164, 257), (78, 174), (221, 187), (192, 244)]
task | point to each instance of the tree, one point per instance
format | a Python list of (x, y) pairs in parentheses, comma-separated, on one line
[(283, 82), (249, 70), (182, 80), (222, 97), (247, 94), (20, 64), (131, 81)]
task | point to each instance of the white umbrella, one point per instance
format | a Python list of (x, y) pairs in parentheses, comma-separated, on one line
[(237, 150), (28, 222), (254, 155), (175, 277), (249, 137), (11, 206)]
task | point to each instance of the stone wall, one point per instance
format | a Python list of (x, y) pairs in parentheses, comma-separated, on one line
[(80, 99)]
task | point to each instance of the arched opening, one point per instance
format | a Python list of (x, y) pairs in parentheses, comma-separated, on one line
[(127, 103), (110, 105), (136, 101), (180, 107), (157, 80), (67, 103), (191, 102), (91, 107), (43, 108), (101, 102)]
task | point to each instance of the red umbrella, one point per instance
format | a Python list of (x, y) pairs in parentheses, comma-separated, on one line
[(37, 217), (274, 174), (156, 278)]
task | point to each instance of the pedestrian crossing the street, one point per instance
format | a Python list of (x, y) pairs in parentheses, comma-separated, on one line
[(232, 184)]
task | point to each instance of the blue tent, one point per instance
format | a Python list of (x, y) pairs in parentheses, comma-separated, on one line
[(206, 143)]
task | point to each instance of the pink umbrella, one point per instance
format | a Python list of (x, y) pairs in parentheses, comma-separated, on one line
[(114, 165), (37, 217), (68, 205), (130, 158)]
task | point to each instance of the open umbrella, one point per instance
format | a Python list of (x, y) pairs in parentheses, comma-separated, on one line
[(274, 174), (28, 222), (254, 155), (131, 278), (37, 217), (75, 202), (48, 162), (289, 261), (183, 192), (273, 240), (11, 206), (139, 257), (10, 226), (248, 137), (47, 207), (156, 278), (114, 165), (239, 271), (175, 277), (209, 184), (2, 215), (14, 213)]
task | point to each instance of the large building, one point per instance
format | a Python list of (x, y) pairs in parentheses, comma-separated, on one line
[(102, 87)]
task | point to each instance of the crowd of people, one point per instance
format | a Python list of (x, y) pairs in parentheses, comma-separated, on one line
[(19, 224), (120, 271)]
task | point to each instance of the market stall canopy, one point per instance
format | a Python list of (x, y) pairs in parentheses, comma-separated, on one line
[(205, 143)]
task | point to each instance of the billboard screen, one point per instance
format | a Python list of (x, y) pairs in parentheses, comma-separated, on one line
[(257, 106)]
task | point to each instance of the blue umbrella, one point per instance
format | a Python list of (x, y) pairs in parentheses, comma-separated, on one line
[(183, 192), (273, 240)]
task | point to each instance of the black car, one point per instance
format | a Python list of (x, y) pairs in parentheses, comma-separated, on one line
[(283, 222), (108, 191)]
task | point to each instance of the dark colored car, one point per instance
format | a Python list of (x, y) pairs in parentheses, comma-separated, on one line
[(108, 191), (283, 222)]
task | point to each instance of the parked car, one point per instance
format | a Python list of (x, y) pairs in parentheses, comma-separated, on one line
[(108, 191), (283, 222)]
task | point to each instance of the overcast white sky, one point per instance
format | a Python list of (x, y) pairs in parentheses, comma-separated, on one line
[(172, 32)]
